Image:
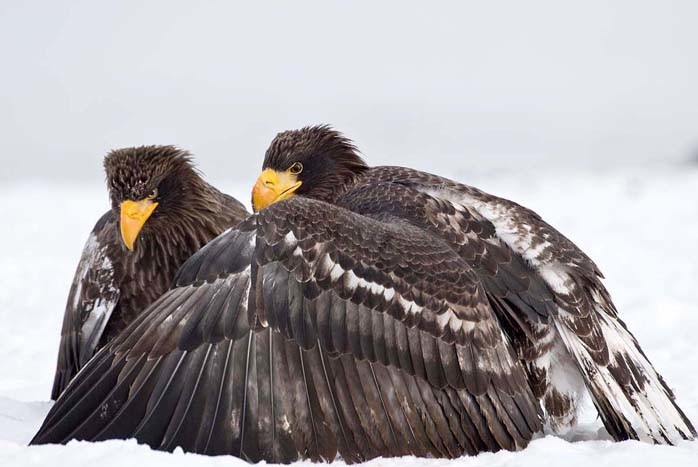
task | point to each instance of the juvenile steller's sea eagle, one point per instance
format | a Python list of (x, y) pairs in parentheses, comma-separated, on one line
[(162, 212), (369, 312)]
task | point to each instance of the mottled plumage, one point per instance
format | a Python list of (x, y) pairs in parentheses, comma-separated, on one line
[(553, 306), (369, 312), (112, 285)]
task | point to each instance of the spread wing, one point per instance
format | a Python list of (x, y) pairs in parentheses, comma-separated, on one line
[(307, 332), (550, 298), (93, 296)]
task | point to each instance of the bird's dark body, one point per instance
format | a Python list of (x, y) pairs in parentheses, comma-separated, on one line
[(113, 285), (145, 274), (389, 312)]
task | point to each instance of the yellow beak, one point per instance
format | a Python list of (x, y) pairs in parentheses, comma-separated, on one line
[(134, 214), (273, 186)]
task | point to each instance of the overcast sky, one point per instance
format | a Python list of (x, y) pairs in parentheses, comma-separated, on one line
[(503, 83)]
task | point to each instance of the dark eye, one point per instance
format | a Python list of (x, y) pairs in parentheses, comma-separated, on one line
[(296, 168), (153, 194)]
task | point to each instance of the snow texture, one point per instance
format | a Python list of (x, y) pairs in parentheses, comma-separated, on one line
[(639, 225)]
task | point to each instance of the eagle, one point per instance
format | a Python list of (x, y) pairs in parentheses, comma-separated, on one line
[(365, 312), (161, 213)]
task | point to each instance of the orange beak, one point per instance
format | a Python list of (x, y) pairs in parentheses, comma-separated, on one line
[(134, 214), (273, 186)]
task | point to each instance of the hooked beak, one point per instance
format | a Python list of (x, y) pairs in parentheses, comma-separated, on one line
[(273, 186), (134, 214)]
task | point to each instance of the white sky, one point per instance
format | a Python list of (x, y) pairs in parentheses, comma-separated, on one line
[(491, 83)]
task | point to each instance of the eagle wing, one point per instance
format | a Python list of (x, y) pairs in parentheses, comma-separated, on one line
[(93, 296), (551, 300), (306, 332)]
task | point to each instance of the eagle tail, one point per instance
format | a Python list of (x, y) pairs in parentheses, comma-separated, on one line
[(633, 400)]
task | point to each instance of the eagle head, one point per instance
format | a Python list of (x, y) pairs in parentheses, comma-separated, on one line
[(150, 187), (315, 161)]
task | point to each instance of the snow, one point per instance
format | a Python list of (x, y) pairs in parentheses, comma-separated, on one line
[(639, 225)]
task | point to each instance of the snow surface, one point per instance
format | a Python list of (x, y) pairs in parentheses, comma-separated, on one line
[(639, 225)]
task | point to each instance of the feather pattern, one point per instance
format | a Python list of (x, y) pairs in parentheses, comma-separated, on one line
[(379, 312), (93, 296), (328, 347), (111, 285), (552, 304)]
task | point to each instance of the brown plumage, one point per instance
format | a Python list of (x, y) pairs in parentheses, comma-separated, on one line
[(112, 284), (368, 312)]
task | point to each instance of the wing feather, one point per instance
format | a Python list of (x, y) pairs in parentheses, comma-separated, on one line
[(267, 363), (93, 297), (551, 301)]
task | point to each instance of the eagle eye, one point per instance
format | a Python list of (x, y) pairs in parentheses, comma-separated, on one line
[(296, 168)]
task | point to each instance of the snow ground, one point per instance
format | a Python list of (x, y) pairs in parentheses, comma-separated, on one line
[(640, 225)]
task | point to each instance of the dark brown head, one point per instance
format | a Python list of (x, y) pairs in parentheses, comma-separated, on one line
[(315, 162), (151, 188)]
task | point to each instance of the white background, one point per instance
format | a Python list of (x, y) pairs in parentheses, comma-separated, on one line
[(508, 83)]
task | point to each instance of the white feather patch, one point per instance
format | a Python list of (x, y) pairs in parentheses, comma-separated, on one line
[(518, 236), (93, 259), (555, 275), (649, 411)]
